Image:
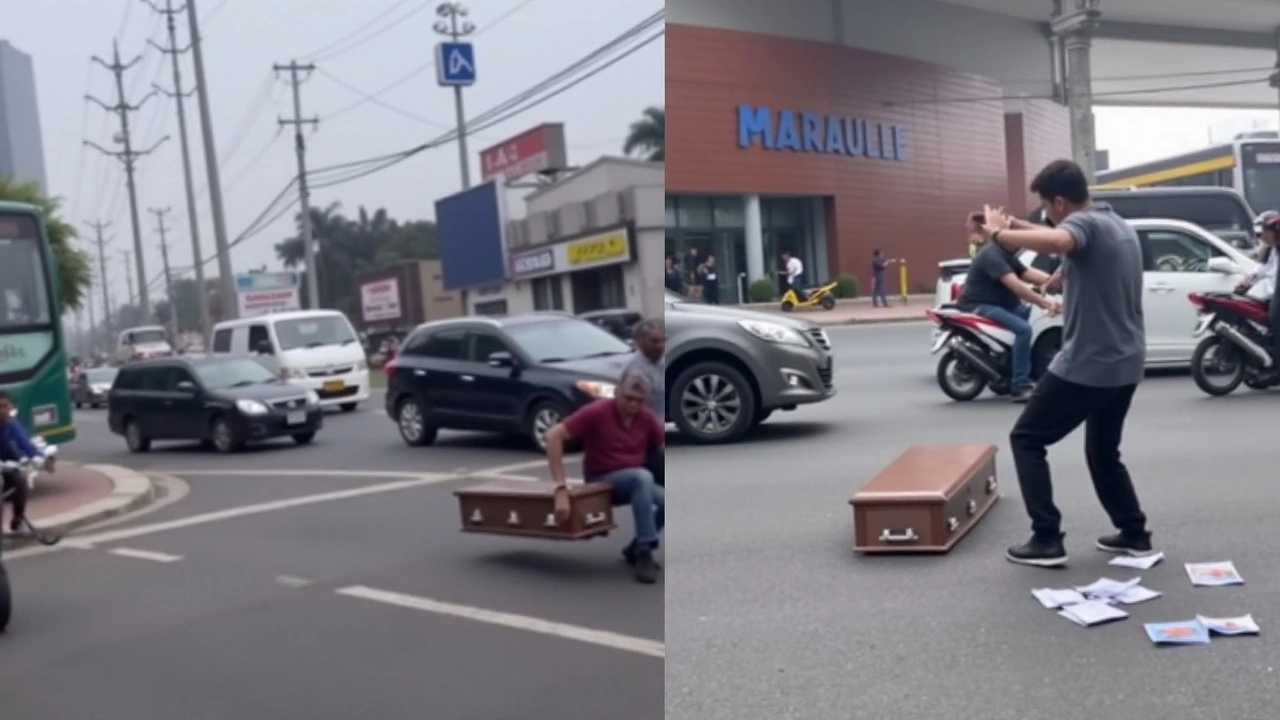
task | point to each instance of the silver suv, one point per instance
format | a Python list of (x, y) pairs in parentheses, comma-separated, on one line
[(729, 369)]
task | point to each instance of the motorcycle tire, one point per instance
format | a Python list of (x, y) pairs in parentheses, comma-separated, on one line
[(1203, 381), (6, 599), (954, 363)]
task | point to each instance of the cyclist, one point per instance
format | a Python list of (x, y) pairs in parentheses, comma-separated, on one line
[(14, 446)]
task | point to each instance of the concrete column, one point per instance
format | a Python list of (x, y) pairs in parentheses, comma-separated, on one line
[(1075, 25), (754, 232), (1274, 80)]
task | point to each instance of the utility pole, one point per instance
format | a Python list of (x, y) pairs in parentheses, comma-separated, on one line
[(93, 323), (132, 301), (455, 27), (226, 279), (178, 96), (98, 227), (128, 156), (160, 213), (313, 281)]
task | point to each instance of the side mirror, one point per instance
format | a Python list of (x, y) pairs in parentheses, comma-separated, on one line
[(501, 359), (1226, 266), (264, 348), (188, 387)]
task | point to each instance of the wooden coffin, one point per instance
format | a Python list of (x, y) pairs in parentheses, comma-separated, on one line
[(925, 500), (526, 509)]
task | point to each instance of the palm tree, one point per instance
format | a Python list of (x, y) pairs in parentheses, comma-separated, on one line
[(75, 272), (648, 135)]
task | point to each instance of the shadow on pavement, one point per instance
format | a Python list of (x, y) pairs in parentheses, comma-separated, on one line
[(549, 565), (777, 431)]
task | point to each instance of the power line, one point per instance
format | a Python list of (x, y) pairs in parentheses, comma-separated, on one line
[(379, 33), (314, 55), (381, 103)]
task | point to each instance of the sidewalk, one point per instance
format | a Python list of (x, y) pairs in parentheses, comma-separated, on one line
[(78, 495), (857, 311)]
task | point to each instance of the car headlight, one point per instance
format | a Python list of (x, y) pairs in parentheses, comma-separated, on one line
[(773, 332), (251, 407), (362, 364), (312, 398), (292, 372), (595, 389)]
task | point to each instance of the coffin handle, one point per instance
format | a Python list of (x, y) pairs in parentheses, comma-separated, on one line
[(906, 536)]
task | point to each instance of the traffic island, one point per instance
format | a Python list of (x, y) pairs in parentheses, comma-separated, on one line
[(77, 495)]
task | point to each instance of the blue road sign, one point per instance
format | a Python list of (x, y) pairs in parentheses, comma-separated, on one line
[(455, 64)]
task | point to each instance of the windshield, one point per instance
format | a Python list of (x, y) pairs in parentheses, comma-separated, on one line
[(314, 332), (147, 337), (1260, 163), (233, 373), (24, 299), (100, 376), (559, 340)]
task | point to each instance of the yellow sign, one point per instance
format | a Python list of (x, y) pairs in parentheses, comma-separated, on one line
[(598, 249)]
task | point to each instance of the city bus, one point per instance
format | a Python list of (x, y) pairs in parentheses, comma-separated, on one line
[(33, 357), (1249, 165)]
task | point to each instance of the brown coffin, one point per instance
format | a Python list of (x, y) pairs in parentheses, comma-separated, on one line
[(526, 509), (925, 500)]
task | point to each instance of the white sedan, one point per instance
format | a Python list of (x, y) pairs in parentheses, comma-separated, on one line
[(1179, 259)]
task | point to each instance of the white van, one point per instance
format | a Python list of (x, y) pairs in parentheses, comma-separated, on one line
[(140, 343), (315, 349)]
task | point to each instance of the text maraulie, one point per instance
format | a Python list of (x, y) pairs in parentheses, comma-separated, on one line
[(813, 132)]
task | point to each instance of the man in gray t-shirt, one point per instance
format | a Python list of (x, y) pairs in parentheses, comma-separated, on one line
[(651, 361), (1094, 377)]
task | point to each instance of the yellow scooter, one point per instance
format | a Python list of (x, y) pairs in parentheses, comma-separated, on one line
[(824, 296)]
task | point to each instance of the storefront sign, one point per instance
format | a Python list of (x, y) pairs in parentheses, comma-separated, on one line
[(816, 133), (380, 300), (536, 150), (598, 250), (253, 303), (533, 263)]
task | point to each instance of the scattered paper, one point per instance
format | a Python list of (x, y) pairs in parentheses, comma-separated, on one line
[(1136, 594), (1140, 562), (1242, 625), (1092, 612), (1106, 588), (1054, 599), (1183, 632), (1214, 574)]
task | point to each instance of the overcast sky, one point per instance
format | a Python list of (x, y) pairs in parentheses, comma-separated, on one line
[(520, 43)]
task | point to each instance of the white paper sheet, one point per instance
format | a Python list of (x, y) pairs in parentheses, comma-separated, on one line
[(1242, 625), (1214, 574), (1136, 594), (1143, 562), (1106, 588), (1055, 598), (1092, 612)]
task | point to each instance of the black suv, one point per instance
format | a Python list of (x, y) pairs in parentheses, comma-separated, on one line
[(221, 401), (516, 375)]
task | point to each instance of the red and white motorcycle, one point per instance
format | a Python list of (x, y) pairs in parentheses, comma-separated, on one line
[(977, 352)]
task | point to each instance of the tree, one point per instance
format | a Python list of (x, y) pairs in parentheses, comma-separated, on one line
[(648, 135), (75, 271)]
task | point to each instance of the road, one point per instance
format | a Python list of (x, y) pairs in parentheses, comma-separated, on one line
[(325, 582), (770, 614)]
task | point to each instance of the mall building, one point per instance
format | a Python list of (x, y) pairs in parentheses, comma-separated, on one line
[(830, 151)]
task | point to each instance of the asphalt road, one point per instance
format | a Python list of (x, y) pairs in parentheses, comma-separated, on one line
[(325, 582), (770, 614)]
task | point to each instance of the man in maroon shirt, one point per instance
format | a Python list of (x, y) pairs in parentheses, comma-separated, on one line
[(616, 435)]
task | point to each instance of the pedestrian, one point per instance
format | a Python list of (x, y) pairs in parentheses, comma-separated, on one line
[(710, 281), (878, 266), (1093, 378), (673, 282), (691, 262), (616, 435), (650, 361), (793, 268)]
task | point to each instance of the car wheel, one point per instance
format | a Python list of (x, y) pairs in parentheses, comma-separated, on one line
[(304, 438), (788, 306), (134, 438), (544, 415), (348, 407), (413, 424), (1045, 350), (828, 302), (224, 436), (713, 403)]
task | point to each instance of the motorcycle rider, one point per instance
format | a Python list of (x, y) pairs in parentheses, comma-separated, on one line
[(997, 288), (14, 446), (1261, 283)]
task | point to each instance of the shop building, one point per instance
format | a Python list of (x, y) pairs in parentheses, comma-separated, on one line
[(831, 151)]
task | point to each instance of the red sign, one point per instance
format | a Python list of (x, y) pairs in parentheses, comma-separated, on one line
[(541, 148)]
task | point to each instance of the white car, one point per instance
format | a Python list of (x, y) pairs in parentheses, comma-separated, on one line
[(1179, 259)]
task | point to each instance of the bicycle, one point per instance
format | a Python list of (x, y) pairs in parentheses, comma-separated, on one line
[(26, 469)]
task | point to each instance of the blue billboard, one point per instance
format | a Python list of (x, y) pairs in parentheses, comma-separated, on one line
[(470, 229)]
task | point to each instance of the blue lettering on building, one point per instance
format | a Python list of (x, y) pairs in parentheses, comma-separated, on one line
[(814, 133)]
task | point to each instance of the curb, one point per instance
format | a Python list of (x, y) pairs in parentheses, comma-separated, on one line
[(131, 491)]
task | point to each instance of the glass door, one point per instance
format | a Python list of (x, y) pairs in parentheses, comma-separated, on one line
[(731, 259)]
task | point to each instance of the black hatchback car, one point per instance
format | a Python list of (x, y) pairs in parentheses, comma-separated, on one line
[(221, 401), (515, 375)]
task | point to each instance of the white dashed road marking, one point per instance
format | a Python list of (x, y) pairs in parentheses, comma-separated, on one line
[(292, 581), (145, 555), (603, 638)]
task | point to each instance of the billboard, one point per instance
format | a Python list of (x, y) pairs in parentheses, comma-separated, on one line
[(470, 227), (263, 293), (536, 150), (380, 300)]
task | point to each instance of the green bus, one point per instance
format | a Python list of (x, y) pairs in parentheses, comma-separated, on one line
[(33, 356)]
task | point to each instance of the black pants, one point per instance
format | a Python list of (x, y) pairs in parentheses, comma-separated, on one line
[(656, 463), (1056, 408), (1275, 328), (14, 482)]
